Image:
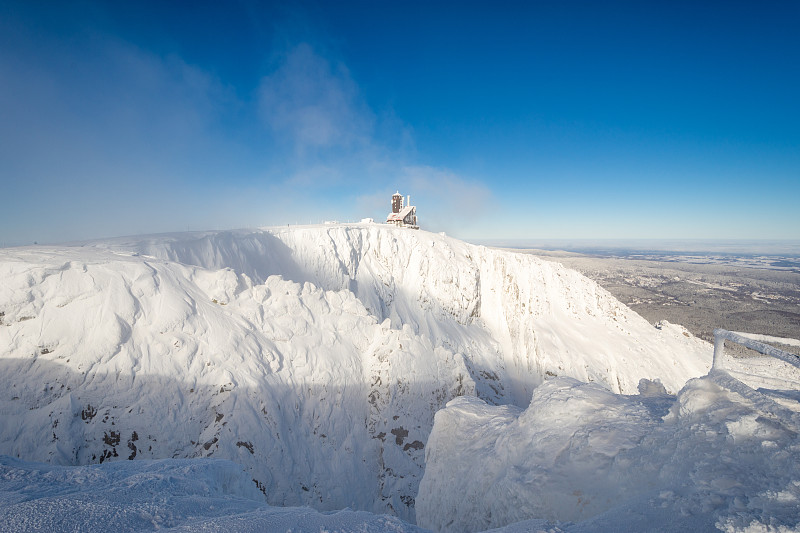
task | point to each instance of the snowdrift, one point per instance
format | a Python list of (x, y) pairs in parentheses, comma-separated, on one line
[(316, 357), (709, 460)]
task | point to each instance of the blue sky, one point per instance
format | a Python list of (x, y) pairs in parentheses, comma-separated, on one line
[(502, 120)]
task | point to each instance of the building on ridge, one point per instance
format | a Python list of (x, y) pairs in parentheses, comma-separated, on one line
[(403, 216)]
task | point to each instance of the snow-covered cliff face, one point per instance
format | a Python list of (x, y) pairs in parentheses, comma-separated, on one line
[(108, 357), (316, 357), (516, 318)]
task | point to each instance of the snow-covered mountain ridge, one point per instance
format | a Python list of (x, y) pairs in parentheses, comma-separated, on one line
[(316, 357), (543, 319)]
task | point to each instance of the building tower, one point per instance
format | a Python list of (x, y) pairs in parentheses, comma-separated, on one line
[(397, 202)]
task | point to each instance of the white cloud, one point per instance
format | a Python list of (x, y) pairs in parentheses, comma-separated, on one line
[(102, 137), (314, 104), (445, 200)]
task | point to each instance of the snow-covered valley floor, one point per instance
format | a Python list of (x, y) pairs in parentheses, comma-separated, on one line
[(252, 376)]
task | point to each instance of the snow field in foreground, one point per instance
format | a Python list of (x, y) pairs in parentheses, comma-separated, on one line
[(167, 495), (580, 459)]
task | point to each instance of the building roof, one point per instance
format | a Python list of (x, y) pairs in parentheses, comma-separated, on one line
[(401, 215)]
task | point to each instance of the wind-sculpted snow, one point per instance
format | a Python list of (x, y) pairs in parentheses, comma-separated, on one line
[(705, 461), (316, 357), (516, 318)]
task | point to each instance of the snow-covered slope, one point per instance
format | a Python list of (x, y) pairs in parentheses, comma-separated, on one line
[(315, 357), (709, 460)]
